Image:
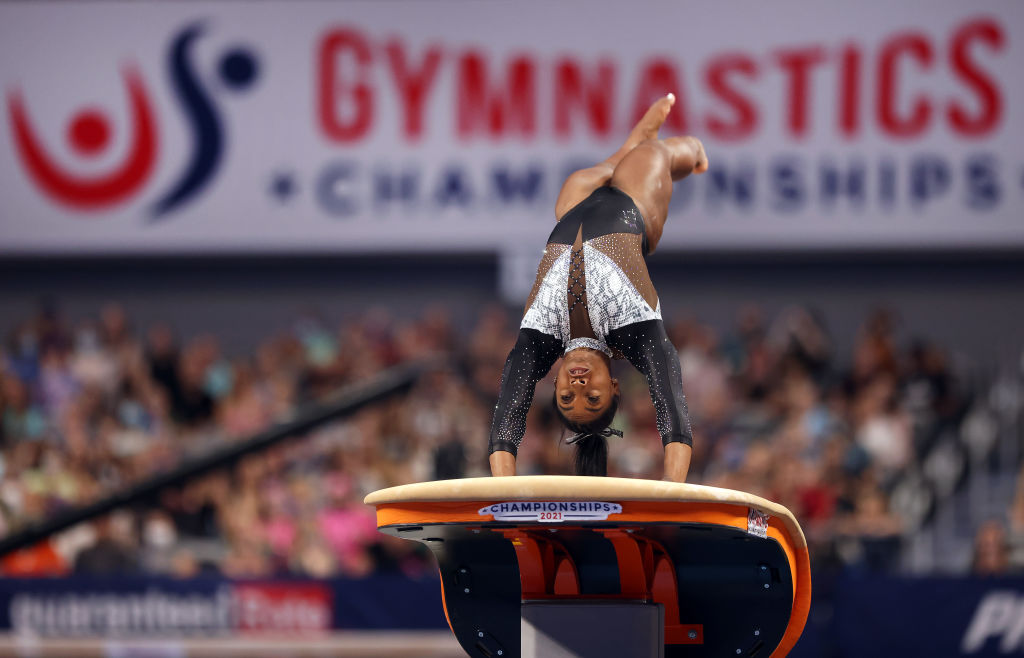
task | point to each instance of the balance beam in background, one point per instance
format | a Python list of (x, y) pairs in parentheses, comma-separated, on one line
[(527, 562), (344, 402)]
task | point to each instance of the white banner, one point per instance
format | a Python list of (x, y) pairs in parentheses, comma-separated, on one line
[(449, 126)]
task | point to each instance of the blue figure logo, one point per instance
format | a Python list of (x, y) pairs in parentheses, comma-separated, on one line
[(238, 69)]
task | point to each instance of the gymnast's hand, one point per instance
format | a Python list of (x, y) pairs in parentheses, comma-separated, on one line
[(502, 463)]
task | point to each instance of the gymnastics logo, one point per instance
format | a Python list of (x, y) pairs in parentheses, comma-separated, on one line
[(89, 133)]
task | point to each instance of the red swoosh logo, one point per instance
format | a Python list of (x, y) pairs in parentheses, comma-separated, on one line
[(90, 192)]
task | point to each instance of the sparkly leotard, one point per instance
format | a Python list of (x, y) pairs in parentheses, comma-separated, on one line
[(593, 290)]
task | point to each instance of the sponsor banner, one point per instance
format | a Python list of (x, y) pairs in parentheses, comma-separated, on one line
[(551, 511), (138, 606), (187, 609), (852, 615), (880, 616), (445, 126), (282, 607)]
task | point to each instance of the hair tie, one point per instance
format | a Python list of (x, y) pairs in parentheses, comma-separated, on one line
[(606, 433)]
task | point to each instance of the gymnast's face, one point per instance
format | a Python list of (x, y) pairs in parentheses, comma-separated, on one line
[(584, 386)]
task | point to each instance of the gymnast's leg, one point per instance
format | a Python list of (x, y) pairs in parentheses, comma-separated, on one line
[(646, 174), (579, 185)]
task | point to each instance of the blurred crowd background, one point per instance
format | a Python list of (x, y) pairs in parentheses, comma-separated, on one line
[(875, 453), (216, 216)]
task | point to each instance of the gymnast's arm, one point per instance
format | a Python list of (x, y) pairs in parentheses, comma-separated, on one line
[(531, 358), (648, 348)]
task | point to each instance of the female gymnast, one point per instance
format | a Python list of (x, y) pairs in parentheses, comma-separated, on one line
[(593, 299)]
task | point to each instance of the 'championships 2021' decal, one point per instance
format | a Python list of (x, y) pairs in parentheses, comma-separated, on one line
[(89, 134), (551, 511)]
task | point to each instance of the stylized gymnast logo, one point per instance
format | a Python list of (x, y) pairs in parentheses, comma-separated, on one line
[(89, 135)]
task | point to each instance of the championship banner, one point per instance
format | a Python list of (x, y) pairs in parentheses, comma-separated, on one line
[(300, 127)]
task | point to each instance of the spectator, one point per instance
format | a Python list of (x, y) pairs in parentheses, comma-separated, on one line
[(1015, 526), (991, 550), (85, 417), (872, 532), (113, 552)]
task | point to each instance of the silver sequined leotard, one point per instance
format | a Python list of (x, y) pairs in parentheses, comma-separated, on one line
[(593, 290)]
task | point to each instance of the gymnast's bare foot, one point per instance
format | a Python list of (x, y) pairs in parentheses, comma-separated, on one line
[(582, 183), (687, 156), (646, 128), (648, 125)]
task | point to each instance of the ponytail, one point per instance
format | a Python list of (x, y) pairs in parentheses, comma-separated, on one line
[(591, 439), (591, 455)]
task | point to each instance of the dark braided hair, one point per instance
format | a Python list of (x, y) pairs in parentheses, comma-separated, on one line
[(591, 448)]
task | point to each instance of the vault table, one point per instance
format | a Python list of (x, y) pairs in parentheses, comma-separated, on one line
[(563, 566)]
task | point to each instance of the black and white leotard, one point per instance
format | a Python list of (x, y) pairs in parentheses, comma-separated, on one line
[(593, 290)]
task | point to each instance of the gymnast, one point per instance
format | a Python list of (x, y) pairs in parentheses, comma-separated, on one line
[(593, 299)]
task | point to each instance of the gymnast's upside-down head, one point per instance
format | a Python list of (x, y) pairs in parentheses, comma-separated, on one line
[(586, 398)]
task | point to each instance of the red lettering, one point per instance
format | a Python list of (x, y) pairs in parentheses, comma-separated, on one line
[(658, 78), (481, 106), (340, 120), (596, 96), (849, 90), (918, 48), (413, 85), (797, 64), (990, 102), (719, 71)]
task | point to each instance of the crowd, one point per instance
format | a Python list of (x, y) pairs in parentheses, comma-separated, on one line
[(91, 407)]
